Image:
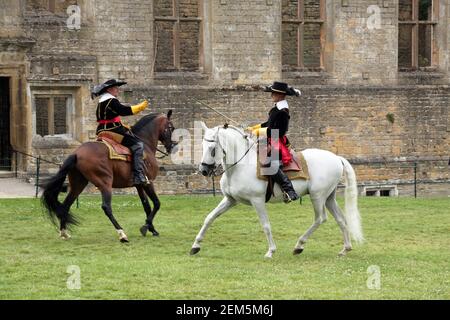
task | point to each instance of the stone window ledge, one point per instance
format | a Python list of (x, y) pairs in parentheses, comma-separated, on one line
[(60, 141), (306, 77), (425, 76), (180, 74), (420, 71)]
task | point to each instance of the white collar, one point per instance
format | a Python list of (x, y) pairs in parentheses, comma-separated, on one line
[(282, 105), (106, 96)]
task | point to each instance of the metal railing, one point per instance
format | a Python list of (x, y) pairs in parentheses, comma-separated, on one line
[(413, 164), (14, 163), (404, 163), (39, 160)]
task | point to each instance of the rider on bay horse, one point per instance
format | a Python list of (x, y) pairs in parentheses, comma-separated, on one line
[(279, 120), (109, 110)]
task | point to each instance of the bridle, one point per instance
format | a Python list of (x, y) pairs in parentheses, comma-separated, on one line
[(217, 140), (166, 135)]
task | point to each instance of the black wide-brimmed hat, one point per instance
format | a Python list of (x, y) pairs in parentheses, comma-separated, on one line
[(101, 88), (281, 87)]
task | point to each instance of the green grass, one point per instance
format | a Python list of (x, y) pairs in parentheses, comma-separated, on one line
[(409, 239)]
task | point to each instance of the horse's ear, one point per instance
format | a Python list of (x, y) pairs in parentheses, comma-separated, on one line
[(169, 114), (204, 127)]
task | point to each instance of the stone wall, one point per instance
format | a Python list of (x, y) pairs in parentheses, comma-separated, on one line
[(123, 40), (365, 53), (246, 44)]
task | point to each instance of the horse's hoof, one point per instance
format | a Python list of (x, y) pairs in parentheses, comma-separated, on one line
[(297, 251), (344, 252), (144, 230), (194, 251), (64, 235), (155, 233), (124, 240)]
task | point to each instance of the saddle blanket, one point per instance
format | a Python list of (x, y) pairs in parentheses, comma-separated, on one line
[(296, 170), (116, 151)]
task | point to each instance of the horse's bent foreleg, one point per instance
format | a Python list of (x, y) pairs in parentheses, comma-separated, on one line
[(260, 207), (150, 190), (223, 206), (319, 212), (334, 209), (107, 208)]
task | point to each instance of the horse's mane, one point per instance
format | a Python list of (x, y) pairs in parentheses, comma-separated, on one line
[(239, 130), (144, 121)]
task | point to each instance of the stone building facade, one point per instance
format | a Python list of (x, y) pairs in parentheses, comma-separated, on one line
[(374, 74)]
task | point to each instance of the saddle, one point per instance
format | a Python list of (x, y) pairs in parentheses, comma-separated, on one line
[(296, 170), (113, 141)]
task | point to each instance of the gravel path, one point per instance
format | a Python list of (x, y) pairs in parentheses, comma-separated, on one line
[(16, 188)]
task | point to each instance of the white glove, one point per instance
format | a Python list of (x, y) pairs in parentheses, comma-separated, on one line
[(298, 93)]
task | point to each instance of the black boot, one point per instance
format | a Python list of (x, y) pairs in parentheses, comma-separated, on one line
[(286, 186), (139, 177)]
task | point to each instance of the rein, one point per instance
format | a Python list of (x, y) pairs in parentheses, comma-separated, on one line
[(165, 154)]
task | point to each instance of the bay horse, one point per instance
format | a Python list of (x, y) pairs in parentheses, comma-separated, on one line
[(237, 153), (90, 163)]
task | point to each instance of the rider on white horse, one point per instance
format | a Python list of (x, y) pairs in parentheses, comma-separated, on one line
[(275, 129), (237, 153)]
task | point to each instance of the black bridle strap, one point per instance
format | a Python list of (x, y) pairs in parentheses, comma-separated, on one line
[(234, 164), (165, 154)]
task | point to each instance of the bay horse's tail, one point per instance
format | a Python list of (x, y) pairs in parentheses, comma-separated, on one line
[(352, 216), (53, 187)]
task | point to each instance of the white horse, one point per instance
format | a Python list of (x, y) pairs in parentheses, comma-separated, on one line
[(238, 155)]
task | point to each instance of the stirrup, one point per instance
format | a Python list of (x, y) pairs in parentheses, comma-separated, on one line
[(286, 197), (141, 182)]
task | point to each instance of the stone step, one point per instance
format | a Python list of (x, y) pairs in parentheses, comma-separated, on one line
[(6, 174)]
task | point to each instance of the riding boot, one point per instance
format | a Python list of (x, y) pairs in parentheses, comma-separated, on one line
[(139, 177), (286, 186)]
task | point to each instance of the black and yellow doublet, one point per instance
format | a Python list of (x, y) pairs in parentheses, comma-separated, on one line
[(108, 116), (278, 120)]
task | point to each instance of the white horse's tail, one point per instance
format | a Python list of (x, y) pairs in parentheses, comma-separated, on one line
[(352, 216)]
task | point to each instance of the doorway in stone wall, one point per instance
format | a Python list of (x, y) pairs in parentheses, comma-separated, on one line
[(5, 145)]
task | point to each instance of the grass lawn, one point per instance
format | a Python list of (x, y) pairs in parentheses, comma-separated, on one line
[(407, 239)]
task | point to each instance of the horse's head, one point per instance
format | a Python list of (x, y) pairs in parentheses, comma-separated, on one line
[(166, 128), (154, 127), (210, 144)]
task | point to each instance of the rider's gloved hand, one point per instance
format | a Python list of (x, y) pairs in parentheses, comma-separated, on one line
[(254, 128), (139, 107), (261, 132)]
